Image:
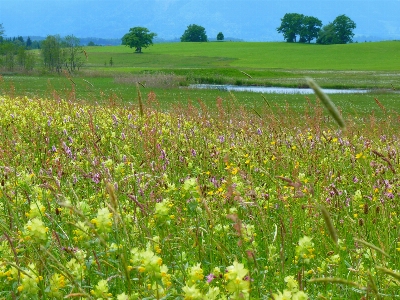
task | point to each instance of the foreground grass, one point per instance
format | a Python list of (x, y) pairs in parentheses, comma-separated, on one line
[(100, 201)]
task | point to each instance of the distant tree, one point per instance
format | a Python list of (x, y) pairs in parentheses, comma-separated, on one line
[(310, 28), (91, 43), (291, 26), (138, 38), (340, 31), (327, 35), (1, 32), (111, 62), (28, 43), (220, 36), (8, 50), (73, 53), (194, 33), (53, 56), (344, 27), (35, 45)]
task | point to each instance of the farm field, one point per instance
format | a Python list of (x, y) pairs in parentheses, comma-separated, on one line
[(110, 189)]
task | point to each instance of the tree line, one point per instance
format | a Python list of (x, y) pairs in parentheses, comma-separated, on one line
[(13, 54), (56, 53), (307, 29)]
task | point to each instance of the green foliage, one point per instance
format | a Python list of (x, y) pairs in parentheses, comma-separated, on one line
[(28, 43), (340, 31), (291, 26), (73, 53), (138, 38), (15, 57), (194, 33), (327, 35), (220, 36), (60, 53), (344, 27), (53, 57), (294, 24), (309, 29), (1, 32)]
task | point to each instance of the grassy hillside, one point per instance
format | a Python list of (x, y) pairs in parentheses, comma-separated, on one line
[(365, 65), (382, 56)]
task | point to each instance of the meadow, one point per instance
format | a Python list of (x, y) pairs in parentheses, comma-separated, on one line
[(112, 189)]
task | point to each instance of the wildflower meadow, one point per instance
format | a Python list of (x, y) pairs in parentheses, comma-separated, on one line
[(125, 201)]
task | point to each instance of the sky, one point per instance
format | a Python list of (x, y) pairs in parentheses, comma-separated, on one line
[(249, 20)]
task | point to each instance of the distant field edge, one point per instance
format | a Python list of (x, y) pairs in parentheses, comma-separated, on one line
[(372, 56)]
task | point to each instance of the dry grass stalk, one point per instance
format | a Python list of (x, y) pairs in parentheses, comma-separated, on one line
[(335, 280), (395, 275), (140, 100), (244, 73), (113, 201), (380, 104), (330, 106), (329, 224), (372, 246)]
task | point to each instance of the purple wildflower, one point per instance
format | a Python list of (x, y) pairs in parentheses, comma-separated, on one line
[(96, 178), (210, 277), (389, 195), (115, 120), (163, 154)]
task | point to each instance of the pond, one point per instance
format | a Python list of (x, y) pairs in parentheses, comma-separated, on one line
[(273, 90)]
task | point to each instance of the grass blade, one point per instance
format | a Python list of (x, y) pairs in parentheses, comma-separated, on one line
[(330, 106)]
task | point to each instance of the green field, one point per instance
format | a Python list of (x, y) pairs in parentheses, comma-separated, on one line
[(372, 65), (110, 189), (168, 68)]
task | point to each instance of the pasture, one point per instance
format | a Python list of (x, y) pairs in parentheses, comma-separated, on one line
[(114, 190)]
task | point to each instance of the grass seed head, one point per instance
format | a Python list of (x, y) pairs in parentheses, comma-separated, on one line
[(330, 106)]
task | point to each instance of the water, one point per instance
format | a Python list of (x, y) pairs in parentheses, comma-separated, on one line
[(273, 90)]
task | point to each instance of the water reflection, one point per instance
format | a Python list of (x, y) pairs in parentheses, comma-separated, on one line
[(273, 90)]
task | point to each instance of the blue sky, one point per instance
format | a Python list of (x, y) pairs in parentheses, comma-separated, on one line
[(251, 20)]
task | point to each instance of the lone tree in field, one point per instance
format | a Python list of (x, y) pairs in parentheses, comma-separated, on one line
[(138, 38), (220, 36), (340, 31), (194, 33)]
